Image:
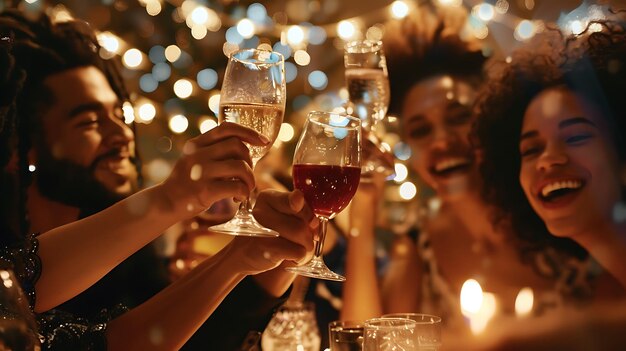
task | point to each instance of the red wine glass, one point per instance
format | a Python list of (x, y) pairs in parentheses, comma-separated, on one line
[(327, 169)]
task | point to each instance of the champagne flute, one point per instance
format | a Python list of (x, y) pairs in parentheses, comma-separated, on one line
[(368, 88), (253, 95), (327, 169)]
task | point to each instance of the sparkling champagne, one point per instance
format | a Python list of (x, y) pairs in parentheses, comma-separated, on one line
[(264, 118), (369, 92)]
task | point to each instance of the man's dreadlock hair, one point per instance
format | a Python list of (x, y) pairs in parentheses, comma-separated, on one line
[(428, 44), (30, 51)]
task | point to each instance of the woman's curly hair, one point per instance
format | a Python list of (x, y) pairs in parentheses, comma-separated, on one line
[(426, 44), (592, 64), (30, 51)]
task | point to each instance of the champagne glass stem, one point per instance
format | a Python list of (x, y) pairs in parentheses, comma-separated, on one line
[(319, 244), (245, 207)]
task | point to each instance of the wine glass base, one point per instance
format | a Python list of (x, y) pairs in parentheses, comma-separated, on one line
[(244, 227), (316, 269)]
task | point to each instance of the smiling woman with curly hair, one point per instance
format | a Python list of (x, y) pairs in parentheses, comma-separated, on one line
[(551, 128)]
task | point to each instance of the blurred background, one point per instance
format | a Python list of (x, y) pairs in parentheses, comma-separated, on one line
[(174, 53)]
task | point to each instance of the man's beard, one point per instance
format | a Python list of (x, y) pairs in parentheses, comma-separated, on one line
[(74, 185)]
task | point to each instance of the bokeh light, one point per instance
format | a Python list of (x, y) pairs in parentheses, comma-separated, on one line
[(157, 54), (291, 72), (161, 71), (148, 83), (318, 80), (257, 12), (407, 190), (295, 35), (401, 172), (285, 50), (399, 9), (147, 112), (129, 112), (178, 124), (245, 27), (346, 30), (132, 58), (214, 103), (206, 124), (183, 88), (302, 57), (109, 41), (524, 30), (233, 36), (199, 31), (172, 53), (317, 35), (286, 132), (207, 78), (485, 12)]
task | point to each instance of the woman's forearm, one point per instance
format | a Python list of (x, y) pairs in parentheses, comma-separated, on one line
[(78, 254), (166, 321), (361, 296)]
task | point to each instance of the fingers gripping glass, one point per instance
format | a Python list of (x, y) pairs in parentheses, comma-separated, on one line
[(253, 95), (327, 169)]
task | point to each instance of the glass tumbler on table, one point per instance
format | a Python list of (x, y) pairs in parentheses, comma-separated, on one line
[(389, 334), (427, 329), (346, 335)]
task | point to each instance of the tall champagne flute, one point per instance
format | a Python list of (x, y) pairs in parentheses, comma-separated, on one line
[(368, 89), (253, 95), (327, 169)]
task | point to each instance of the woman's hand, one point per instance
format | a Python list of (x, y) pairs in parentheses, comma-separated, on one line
[(214, 166), (286, 213)]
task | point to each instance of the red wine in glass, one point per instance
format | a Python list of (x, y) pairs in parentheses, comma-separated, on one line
[(327, 188)]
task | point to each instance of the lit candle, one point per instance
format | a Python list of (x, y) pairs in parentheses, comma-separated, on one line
[(524, 302), (477, 306)]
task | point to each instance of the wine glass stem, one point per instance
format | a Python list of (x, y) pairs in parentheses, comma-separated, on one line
[(245, 210), (319, 244)]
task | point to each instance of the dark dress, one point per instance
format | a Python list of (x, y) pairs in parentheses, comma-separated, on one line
[(80, 323)]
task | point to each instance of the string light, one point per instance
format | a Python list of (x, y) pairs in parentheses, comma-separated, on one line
[(295, 35), (198, 31), (401, 172), (207, 124), (286, 132), (346, 30), (407, 190), (399, 9), (132, 58), (524, 30), (178, 124), (172, 53), (129, 112), (245, 27), (153, 8), (109, 41), (485, 12), (147, 112), (183, 88), (214, 103), (302, 57)]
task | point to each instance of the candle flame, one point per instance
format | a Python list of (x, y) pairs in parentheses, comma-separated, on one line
[(471, 297), (524, 302), (478, 306)]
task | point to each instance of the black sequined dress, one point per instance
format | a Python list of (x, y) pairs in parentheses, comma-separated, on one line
[(58, 330)]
